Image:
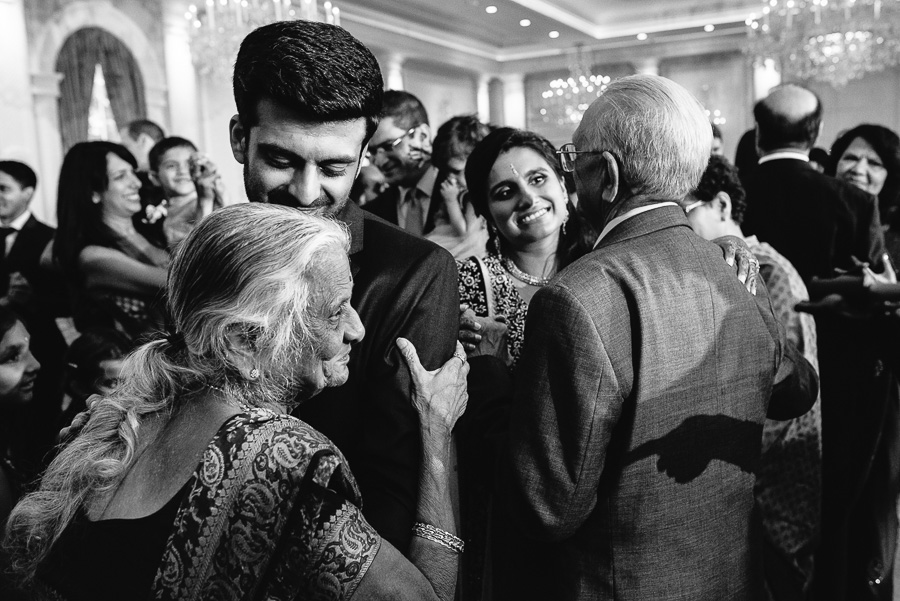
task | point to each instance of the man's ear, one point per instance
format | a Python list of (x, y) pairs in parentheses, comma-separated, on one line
[(723, 205), (427, 129), (237, 135), (359, 162), (610, 186), (29, 192)]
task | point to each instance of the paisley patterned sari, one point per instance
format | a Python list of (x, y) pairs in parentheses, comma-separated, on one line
[(272, 512)]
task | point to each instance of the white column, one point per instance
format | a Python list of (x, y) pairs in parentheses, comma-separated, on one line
[(17, 126), (483, 98), (394, 72), (514, 99), (765, 77), (647, 65), (45, 91), (181, 81)]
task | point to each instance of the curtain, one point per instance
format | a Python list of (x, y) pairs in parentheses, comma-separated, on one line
[(77, 61)]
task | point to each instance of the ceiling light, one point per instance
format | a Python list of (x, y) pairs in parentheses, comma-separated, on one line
[(642, 36), (525, 22), (709, 28), (490, 9), (554, 34)]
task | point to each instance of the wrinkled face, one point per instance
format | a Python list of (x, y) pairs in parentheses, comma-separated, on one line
[(18, 367), (122, 195), (526, 200), (401, 154), (14, 198), (861, 166), (339, 324), (174, 173), (298, 163)]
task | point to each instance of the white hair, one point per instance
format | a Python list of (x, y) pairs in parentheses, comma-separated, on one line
[(246, 270), (658, 131)]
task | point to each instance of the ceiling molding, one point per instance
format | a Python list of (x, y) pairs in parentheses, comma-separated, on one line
[(564, 17)]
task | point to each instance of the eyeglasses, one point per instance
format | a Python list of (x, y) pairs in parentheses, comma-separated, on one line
[(567, 156), (389, 145), (693, 206)]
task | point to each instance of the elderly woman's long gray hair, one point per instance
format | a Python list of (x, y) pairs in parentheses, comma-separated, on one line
[(242, 274)]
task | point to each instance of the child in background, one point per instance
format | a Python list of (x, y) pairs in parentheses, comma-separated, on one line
[(191, 186)]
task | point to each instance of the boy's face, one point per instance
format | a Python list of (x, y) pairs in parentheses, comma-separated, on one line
[(14, 198), (174, 173)]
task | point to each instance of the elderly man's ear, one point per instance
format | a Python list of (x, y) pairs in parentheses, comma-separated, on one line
[(610, 186), (722, 203)]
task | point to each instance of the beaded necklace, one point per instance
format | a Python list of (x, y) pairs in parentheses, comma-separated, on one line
[(520, 275)]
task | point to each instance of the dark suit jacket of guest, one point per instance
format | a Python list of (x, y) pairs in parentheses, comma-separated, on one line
[(25, 258), (402, 286), (641, 393), (817, 222), (385, 206)]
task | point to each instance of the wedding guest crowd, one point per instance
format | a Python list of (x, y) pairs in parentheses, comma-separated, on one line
[(475, 366)]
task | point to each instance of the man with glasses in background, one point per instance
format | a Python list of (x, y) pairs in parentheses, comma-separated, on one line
[(401, 148)]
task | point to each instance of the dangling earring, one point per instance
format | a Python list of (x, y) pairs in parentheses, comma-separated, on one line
[(494, 237), (254, 374), (565, 221)]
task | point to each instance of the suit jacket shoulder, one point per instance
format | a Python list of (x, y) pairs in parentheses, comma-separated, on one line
[(385, 206)]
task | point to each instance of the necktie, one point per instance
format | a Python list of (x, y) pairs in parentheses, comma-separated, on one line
[(413, 213)]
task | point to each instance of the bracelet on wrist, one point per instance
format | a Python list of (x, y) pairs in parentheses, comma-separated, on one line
[(441, 537)]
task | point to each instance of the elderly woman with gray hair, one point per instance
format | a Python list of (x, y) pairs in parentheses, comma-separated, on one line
[(189, 481)]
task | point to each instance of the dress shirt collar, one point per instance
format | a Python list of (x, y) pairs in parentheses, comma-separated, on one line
[(798, 155), (632, 213), (19, 222), (424, 187)]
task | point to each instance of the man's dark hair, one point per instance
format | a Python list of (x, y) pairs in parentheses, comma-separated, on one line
[(456, 138), (406, 110), (20, 172), (145, 126), (778, 131), (165, 145), (317, 70), (722, 176)]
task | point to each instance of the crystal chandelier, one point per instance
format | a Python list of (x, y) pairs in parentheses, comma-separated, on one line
[(565, 100), (219, 26), (832, 41)]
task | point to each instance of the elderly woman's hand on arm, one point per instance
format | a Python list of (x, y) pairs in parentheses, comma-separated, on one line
[(430, 571)]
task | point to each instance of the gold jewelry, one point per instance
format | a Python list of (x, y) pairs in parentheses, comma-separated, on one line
[(254, 373), (441, 537), (520, 275)]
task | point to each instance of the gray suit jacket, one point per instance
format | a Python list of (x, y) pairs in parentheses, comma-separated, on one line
[(641, 393)]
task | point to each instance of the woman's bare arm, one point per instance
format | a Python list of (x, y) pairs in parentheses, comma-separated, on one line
[(104, 267), (431, 570)]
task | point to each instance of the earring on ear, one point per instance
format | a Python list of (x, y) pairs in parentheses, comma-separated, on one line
[(565, 221), (95, 198), (254, 374)]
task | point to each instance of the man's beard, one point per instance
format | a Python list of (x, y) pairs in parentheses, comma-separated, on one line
[(323, 205)]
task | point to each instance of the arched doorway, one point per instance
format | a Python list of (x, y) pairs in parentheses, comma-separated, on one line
[(77, 62)]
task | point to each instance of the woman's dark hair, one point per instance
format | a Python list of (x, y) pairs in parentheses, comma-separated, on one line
[(886, 144), (722, 176), (84, 356), (79, 218), (457, 138), (574, 241)]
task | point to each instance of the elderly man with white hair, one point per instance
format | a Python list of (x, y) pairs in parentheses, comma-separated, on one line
[(645, 379)]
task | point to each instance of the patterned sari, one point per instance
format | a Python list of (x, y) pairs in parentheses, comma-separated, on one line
[(272, 512)]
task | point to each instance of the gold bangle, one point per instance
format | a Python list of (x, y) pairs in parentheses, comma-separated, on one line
[(441, 537)]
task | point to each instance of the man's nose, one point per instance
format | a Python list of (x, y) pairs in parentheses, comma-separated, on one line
[(305, 186)]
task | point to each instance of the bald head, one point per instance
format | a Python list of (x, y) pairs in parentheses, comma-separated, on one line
[(789, 117)]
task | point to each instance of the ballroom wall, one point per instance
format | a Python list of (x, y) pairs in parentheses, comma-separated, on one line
[(449, 82)]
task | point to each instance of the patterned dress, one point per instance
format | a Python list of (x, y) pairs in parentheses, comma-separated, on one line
[(506, 299), (789, 483), (272, 512)]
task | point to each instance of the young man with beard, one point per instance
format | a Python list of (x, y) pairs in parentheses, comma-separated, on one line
[(305, 116)]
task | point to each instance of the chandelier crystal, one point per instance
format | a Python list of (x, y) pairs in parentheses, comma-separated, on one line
[(832, 41), (565, 100), (219, 26)]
